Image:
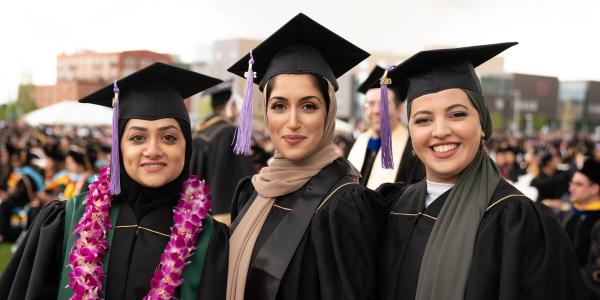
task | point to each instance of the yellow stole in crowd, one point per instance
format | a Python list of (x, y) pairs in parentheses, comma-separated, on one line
[(594, 205)]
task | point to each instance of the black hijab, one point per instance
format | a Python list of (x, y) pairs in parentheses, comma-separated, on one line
[(144, 199)]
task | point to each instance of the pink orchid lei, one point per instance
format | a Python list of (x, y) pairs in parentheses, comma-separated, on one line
[(86, 257)]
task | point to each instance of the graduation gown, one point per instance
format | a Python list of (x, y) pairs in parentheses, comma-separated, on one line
[(521, 251), (578, 225), (35, 270), (407, 168), (551, 187), (214, 161), (335, 256)]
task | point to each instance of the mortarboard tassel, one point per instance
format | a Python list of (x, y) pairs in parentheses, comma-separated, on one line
[(243, 132), (115, 169), (387, 159)]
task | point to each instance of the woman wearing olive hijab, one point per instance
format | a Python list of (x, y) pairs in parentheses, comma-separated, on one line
[(465, 233)]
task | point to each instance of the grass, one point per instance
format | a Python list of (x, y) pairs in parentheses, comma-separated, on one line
[(5, 255)]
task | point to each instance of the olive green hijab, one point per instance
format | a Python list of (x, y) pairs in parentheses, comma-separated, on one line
[(449, 251)]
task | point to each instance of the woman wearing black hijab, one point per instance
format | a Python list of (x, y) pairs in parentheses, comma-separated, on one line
[(160, 233), (465, 233)]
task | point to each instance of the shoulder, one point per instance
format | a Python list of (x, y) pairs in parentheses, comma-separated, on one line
[(390, 192), (509, 204), (399, 196), (219, 230), (245, 185), (349, 195), (51, 213), (243, 193)]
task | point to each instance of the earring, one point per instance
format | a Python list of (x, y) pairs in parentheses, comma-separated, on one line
[(412, 152)]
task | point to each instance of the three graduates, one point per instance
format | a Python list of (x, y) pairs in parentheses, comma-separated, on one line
[(303, 228)]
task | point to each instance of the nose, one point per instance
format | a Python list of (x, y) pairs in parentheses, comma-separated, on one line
[(440, 129), (153, 150), (294, 122)]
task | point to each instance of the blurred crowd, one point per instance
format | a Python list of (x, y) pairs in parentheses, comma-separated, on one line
[(41, 164)]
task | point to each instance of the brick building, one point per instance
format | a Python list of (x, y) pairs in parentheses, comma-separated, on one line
[(83, 72)]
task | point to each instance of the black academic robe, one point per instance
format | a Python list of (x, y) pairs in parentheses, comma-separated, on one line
[(521, 251), (335, 257), (551, 187), (578, 225), (214, 161), (35, 270)]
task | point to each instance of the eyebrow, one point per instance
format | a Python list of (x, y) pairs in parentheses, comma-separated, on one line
[(426, 112), (139, 128), (301, 99)]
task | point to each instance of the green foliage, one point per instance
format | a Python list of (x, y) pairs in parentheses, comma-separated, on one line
[(5, 255), (25, 101), (498, 121), (539, 121), (8, 111)]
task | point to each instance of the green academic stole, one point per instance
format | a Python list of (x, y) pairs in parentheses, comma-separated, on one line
[(192, 274)]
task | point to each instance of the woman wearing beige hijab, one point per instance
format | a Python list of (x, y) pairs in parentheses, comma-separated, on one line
[(303, 227)]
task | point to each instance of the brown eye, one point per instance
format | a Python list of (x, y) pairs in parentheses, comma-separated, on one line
[(277, 106), (458, 114), (137, 139), (422, 121), (169, 139), (310, 107)]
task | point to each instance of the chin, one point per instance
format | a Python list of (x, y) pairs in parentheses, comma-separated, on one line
[(152, 185)]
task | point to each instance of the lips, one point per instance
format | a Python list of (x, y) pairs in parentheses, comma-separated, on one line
[(293, 139), (153, 166), (445, 150)]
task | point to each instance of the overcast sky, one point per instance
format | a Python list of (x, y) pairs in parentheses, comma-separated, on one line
[(557, 38)]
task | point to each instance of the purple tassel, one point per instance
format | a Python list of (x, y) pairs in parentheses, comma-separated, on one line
[(243, 132), (387, 159), (115, 178)]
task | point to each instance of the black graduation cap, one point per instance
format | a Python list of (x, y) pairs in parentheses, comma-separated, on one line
[(436, 70), (372, 81), (220, 93), (301, 46), (154, 92), (591, 169)]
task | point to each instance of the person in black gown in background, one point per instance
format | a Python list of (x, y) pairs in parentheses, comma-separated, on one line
[(465, 233), (155, 147), (303, 228), (212, 153)]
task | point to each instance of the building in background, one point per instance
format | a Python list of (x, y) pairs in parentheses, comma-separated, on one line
[(83, 72), (579, 106), (522, 102), (517, 102), (221, 55)]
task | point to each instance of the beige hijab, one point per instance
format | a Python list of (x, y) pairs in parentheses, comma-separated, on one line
[(281, 177)]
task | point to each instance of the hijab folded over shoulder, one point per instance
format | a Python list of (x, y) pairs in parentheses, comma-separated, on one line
[(301, 46), (478, 243), (455, 230)]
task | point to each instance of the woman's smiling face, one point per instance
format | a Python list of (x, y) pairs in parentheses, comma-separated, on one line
[(153, 152), (446, 133)]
